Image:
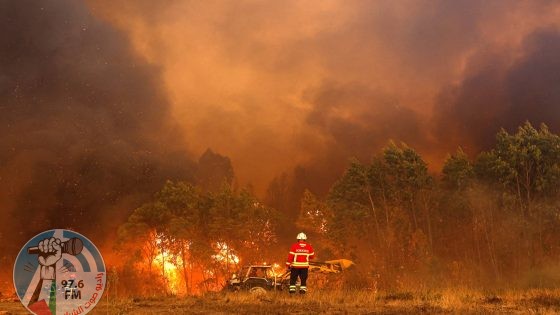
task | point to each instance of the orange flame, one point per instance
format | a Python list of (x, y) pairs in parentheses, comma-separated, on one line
[(226, 254), (170, 266), (173, 281)]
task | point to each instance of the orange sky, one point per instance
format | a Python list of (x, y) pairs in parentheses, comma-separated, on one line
[(243, 76)]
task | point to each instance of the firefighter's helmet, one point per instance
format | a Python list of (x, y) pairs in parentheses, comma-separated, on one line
[(301, 236)]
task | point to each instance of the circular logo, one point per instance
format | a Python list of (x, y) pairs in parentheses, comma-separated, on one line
[(59, 272)]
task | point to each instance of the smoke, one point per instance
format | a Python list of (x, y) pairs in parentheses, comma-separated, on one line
[(357, 121), (86, 129), (533, 83), (101, 100), (502, 93), (279, 84)]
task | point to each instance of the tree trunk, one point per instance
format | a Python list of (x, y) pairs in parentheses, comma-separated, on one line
[(377, 230), (162, 251), (491, 251), (521, 205), (413, 210), (184, 265), (429, 223)]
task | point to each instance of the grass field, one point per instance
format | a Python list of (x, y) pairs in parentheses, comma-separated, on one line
[(333, 302)]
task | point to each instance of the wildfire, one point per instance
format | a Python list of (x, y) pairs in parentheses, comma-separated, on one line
[(225, 254), (277, 269), (171, 267), (168, 263)]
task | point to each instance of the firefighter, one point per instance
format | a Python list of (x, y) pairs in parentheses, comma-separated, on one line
[(298, 263)]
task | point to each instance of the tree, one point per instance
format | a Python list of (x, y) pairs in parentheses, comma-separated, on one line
[(525, 168), (314, 215), (527, 164), (408, 173), (145, 229), (456, 209), (352, 215), (458, 171), (183, 202), (384, 210), (241, 226)]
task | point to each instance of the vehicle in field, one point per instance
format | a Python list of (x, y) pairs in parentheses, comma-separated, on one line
[(255, 278), (263, 278)]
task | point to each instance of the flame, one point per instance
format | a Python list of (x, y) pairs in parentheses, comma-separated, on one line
[(225, 254), (170, 264), (277, 269), (165, 261)]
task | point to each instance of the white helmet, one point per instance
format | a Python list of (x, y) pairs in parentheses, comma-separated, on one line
[(301, 236)]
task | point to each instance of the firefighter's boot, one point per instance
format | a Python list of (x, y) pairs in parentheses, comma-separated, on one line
[(292, 289)]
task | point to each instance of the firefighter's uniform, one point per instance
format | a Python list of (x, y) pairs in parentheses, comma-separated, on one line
[(298, 263)]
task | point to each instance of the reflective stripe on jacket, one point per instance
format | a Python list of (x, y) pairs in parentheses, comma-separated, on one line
[(299, 255)]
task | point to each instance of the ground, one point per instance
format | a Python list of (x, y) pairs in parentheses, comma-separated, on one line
[(332, 302)]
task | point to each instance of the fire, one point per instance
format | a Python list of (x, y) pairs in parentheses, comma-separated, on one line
[(225, 254), (171, 267), (277, 269), (168, 263)]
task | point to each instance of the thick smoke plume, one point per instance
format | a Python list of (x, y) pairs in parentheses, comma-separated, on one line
[(498, 93), (85, 127), (276, 84)]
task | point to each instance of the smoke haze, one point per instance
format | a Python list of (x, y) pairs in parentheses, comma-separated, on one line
[(86, 130), (278, 84), (101, 101)]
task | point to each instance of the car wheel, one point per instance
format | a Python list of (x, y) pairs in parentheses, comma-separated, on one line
[(258, 290)]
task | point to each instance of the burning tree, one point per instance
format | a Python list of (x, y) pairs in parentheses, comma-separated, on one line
[(200, 235)]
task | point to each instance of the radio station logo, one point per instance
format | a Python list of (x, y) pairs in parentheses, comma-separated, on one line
[(59, 272)]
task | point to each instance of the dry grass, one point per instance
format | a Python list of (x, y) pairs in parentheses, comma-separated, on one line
[(463, 301)]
